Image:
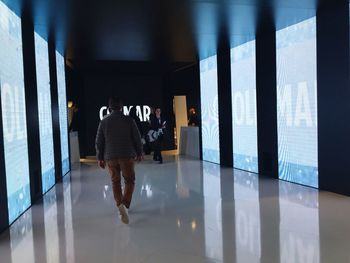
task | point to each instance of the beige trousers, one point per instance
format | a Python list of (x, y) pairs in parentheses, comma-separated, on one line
[(125, 168)]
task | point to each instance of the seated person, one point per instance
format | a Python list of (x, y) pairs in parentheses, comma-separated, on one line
[(193, 118)]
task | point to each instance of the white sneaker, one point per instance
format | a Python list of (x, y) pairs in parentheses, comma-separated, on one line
[(123, 214)]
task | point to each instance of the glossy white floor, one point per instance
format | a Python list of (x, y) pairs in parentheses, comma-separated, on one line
[(182, 211)]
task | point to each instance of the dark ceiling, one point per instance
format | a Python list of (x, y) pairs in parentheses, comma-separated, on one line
[(172, 30), (156, 30)]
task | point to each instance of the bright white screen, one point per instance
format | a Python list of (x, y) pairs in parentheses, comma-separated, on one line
[(62, 105), (297, 103), (45, 117), (210, 110), (13, 113), (244, 129)]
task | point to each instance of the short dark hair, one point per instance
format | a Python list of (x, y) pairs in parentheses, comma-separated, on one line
[(115, 103)]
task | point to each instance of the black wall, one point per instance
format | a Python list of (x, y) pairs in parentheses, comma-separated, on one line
[(185, 81), (134, 82), (137, 83), (333, 96)]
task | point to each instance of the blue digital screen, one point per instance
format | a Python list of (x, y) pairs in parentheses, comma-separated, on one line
[(62, 107), (244, 124), (297, 103), (45, 116), (210, 110), (13, 113)]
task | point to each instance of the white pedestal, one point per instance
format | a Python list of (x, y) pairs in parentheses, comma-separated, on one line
[(189, 142), (74, 147)]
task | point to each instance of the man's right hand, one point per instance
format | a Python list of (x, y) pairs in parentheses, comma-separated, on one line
[(139, 158), (101, 164)]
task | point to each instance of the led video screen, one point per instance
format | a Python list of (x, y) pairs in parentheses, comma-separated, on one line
[(62, 107), (210, 110), (297, 103), (244, 124), (13, 113), (45, 116)]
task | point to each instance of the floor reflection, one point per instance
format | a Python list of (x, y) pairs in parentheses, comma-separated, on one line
[(247, 212), (299, 226), (5, 247), (51, 227), (75, 179), (21, 236), (212, 211), (269, 220), (189, 182), (182, 211), (68, 219)]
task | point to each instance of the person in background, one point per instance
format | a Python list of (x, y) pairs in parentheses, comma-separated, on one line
[(118, 145), (134, 116), (75, 123), (148, 144), (193, 118), (158, 124), (151, 116)]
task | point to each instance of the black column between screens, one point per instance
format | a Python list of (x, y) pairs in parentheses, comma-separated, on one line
[(30, 83), (266, 96), (4, 217), (333, 97), (68, 133), (55, 110), (225, 103)]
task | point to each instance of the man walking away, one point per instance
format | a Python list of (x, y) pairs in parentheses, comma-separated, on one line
[(118, 145)]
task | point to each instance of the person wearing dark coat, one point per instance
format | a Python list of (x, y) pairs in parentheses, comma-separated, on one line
[(133, 115), (193, 118), (118, 145), (158, 124)]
